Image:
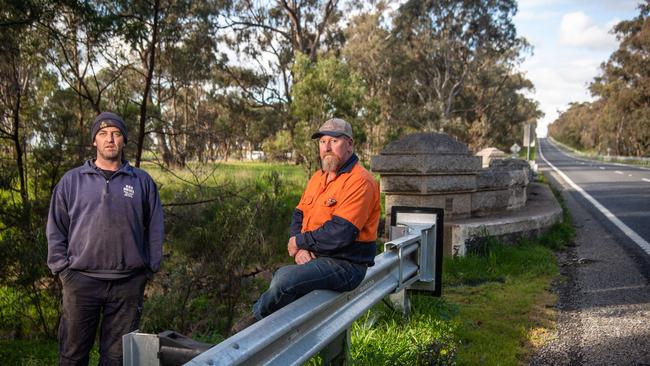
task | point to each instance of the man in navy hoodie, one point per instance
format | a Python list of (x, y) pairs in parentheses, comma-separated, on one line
[(105, 235)]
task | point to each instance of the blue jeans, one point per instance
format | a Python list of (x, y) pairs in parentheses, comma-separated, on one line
[(292, 282), (87, 302)]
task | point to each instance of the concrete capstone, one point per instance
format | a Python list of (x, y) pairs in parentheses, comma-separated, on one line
[(490, 154)]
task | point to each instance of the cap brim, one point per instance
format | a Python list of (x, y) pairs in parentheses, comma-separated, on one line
[(327, 133)]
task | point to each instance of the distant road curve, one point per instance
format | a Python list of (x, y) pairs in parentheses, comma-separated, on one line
[(620, 193)]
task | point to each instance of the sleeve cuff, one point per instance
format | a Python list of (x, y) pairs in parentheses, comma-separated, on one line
[(300, 241)]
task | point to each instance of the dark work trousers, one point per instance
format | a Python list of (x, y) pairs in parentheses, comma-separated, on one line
[(86, 301)]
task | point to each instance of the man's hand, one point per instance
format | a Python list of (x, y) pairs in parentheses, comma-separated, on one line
[(303, 256), (292, 248)]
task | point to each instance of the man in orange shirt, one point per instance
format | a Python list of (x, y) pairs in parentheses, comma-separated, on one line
[(333, 230)]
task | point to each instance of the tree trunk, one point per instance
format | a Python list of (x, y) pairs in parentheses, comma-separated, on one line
[(36, 300), (15, 137), (147, 84), (80, 125)]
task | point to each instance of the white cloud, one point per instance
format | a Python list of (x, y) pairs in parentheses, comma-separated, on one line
[(580, 71), (565, 61), (558, 82), (578, 29), (527, 4), (534, 15)]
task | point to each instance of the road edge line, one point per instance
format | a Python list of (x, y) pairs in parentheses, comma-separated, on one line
[(636, 238)]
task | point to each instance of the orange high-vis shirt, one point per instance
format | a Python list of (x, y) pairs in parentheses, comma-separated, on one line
[(352, 196)]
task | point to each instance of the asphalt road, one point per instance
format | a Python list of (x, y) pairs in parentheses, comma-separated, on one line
[(624, 190), (604, 291)]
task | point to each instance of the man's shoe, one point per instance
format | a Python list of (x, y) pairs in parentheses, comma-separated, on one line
[(243, 323)]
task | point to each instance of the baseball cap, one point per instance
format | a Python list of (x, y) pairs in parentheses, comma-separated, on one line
[(334, 127)]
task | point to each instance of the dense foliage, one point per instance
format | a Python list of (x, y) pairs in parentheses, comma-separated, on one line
[(618, 121)]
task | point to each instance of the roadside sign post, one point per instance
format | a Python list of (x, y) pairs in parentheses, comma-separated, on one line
[(527, 139)]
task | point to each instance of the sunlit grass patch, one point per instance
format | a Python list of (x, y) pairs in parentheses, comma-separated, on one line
[(384, 337), (495, 308)]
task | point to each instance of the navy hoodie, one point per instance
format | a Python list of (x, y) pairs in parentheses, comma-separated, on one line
[(106, 226)]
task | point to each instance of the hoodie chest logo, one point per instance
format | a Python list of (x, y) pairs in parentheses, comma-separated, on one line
[(128, 191)]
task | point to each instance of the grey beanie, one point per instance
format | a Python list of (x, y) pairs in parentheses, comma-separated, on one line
[(108, 119)]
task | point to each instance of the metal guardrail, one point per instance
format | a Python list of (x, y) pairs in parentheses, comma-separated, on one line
[(320, 321)]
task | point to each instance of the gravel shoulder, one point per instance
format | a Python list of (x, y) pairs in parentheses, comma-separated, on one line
[(604, 294)]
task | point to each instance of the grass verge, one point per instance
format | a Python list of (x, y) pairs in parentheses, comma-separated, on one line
[(495, 309)]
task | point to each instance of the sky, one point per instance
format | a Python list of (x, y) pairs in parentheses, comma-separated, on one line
[(570, 39)]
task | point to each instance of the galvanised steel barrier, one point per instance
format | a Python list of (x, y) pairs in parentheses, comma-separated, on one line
[(319, 322)]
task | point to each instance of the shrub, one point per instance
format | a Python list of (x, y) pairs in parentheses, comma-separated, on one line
[(213, 248)]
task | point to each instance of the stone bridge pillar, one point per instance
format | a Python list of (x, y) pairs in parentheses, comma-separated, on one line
[(428, 170), (435, 171)]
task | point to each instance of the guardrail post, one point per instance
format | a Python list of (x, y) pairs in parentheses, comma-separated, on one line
[(337, 352), (428, 222), (140, 349), (400, 302)]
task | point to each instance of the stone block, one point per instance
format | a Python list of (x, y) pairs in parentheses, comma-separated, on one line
[(428, 184), (514, 165), (400, 184), (486, 202), (518, 178), (498, 179), (424, 164), (517, 197), (490, 179), (510, 164), (449, 183)]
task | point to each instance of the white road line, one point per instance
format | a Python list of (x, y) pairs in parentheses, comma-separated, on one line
[(645, 180), (610, 216), (629, 175), (618, 172), (600, 167)]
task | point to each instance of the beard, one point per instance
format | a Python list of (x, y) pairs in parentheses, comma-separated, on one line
[(330, 163)]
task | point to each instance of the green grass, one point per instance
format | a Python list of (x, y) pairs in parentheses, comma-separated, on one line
[(523, 153), (495, 317), (34, 353), (19, 316), (493, 310), (384, 337), (227, 172), (483, 317)]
